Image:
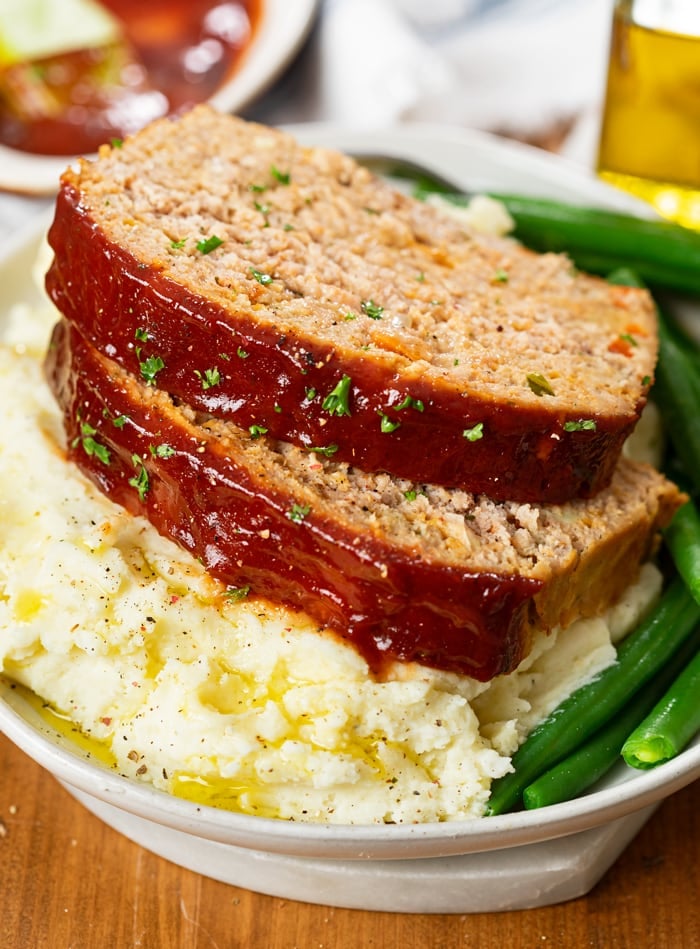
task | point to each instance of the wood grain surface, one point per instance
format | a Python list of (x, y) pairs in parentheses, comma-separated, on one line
[(69, 882)]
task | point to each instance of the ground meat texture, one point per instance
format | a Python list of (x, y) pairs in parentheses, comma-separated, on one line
[(286, 287), (405, 571)]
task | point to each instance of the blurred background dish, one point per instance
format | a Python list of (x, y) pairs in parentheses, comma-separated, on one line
[(136, 62)]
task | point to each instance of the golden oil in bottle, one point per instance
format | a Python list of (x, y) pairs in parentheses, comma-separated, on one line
[(650, 134)]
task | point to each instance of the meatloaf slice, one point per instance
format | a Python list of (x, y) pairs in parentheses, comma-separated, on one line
[(403, 570), (288, 288)]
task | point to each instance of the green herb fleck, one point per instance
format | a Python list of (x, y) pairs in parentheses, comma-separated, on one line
[(117, 142), (209, 378), (539, 384), (646, 380), (420, 277), (582, 425), (350, 316), (92, 447), (277, 408), (208, 244), (500, 276), (235, 594), (337, 400), (120, 421), (257, 189), (141, 334), (298, 512), (262, 278), (326, 450), (386, 425), (310, 394), (411, 494), (628, 338), (283, 177), (475, 433), (162, 450), (288, 227), (178, 245), (264, 209), (410, 403), (140, 481), (242, 353), (150, 368), (257, 430), (373, 310)]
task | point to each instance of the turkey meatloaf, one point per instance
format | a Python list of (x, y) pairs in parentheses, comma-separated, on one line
[(288, 288), (403, 570)]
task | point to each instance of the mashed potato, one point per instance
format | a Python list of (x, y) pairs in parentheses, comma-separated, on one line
[(238, 704)]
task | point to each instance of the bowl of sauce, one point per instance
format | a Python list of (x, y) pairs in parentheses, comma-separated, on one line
[(68, 92)]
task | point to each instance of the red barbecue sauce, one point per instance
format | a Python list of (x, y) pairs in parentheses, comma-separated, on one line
[(175, 54)]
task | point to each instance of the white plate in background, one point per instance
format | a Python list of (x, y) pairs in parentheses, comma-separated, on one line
[(282, 29)]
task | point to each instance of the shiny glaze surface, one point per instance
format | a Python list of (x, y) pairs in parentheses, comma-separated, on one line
[(266, 377), (389, 602)]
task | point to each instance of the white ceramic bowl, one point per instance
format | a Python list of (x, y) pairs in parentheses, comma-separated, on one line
[(511, 862), (281, 31)]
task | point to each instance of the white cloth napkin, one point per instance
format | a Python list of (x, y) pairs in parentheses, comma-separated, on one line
[(513, 66)]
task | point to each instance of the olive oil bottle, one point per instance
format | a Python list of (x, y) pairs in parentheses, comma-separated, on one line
[(650, 134)]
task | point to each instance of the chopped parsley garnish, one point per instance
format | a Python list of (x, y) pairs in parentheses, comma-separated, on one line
[(350, 316), (326, 450), (242, 353), (264, 209), (386, 425), (262, 278), (141, 334), (310, 395), (208, 244), (646, 380), (628, 338), (337, 400), (92, 447), (283, 177), (539, 384), (373, 310), (140, 481), (235, 594), (411, 494), (209, 378), (277, 408), (582, 425), (120, 421), (178, 245), (500, 276), (162, 450), (410, 403), (257, 189), (150, 368), (298, 512), (117, 142), (257, 430), (475, 433)]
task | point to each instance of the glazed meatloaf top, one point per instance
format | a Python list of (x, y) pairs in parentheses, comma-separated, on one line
[(288, 288), (404, 570)]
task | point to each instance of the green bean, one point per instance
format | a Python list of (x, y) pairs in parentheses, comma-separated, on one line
[(682, 537), (670, 725), (588, 763), (639, 658)]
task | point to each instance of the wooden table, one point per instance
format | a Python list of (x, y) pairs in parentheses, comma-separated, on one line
[(69, 882)]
